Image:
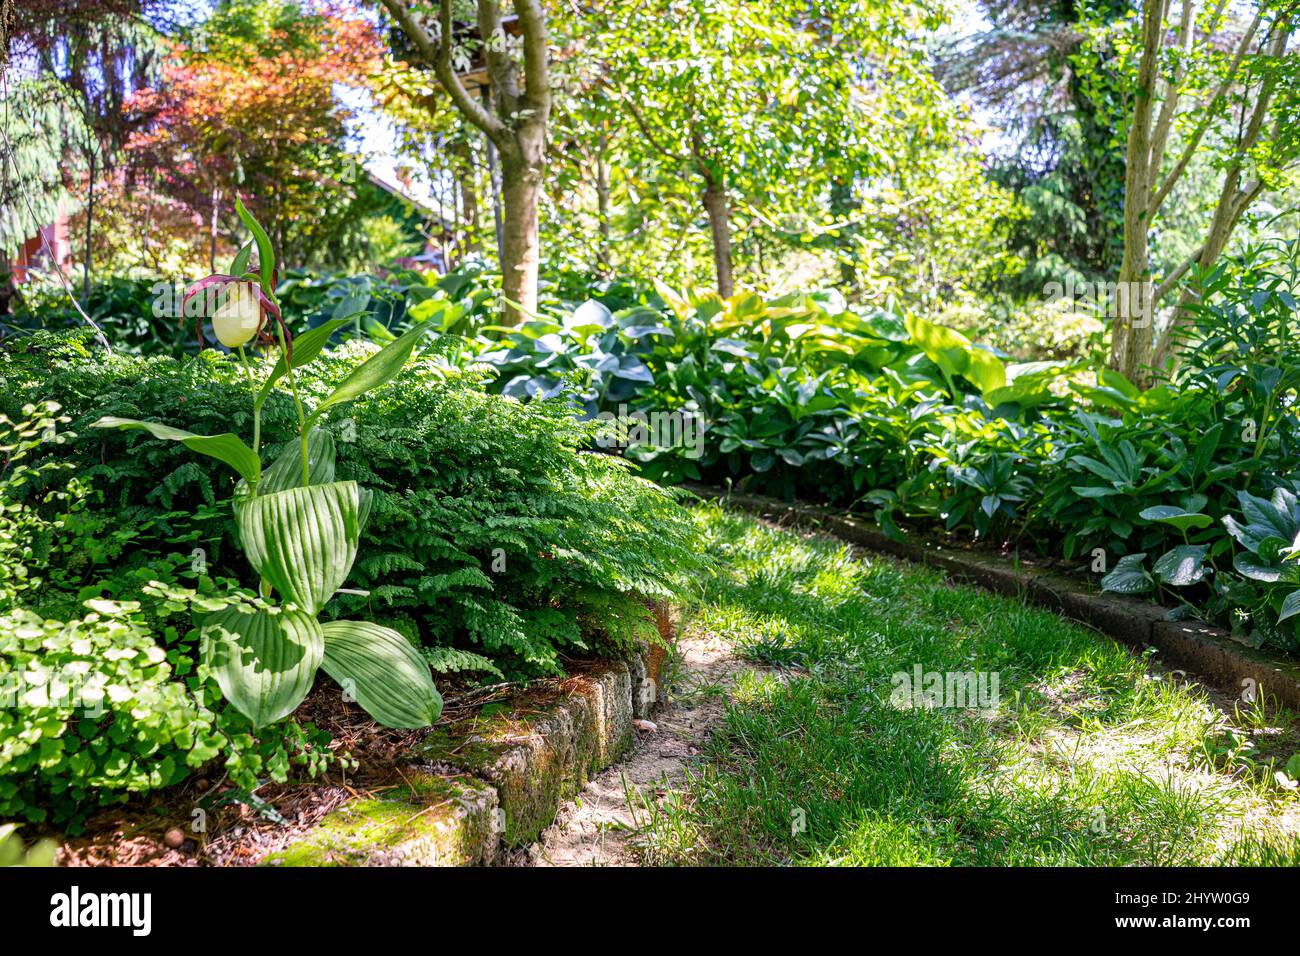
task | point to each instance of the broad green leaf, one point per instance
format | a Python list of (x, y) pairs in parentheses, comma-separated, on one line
[(1182, 565), (984, 369), (1128, 576), (1176, 517), (351, 306), (302, 540), (381, 367), (1290, 606), (286, 471), (1247, 565), (380, 669), (264, 660), (265, 251), (306, 347), (227, 447)]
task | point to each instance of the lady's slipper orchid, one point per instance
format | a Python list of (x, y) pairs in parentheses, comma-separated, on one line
[(238, 309), (238, 316)]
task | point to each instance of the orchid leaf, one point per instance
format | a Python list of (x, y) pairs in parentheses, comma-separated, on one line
[(226, 447), (265, 251), (382, 672), (380, 368), (306, 348), (263, 659), (302, 540)]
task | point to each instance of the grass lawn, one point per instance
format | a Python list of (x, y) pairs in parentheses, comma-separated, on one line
[(1090, 756)]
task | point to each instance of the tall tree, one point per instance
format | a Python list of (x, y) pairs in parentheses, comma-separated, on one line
[(515, 119), (756, 103), (249, 104), (1194, 92)]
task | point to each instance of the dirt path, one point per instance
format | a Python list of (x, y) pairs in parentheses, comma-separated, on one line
[(599, 828)]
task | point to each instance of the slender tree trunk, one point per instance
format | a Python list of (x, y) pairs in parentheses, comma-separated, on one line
[(521, 191), (469, 202), (1131, 328), (6, 283), (844, 205), (602, 200), (715, 204), (212, 230)]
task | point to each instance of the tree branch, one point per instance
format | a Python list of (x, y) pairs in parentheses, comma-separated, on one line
[(439, 55), (537, 74), (500, 67), (1171, 280), (1169, 107), (1207, 110), (642, 125)]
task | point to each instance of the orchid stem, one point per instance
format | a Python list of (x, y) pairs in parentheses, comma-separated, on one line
[(257, 409), (302, 419)]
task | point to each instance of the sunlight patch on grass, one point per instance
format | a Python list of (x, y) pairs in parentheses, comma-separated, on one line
[(1088, 757)]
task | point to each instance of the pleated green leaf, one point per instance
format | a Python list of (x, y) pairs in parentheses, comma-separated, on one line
[(380, 669), (302, 540), (286, 471), (227, 447), (264, 660)]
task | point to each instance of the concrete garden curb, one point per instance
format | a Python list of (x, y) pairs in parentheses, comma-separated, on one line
[(1209, 652), (484, 784)]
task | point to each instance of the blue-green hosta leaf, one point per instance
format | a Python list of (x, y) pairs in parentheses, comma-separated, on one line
[(264, 659), (381, 367), (1248, 565), (303, 540), (1128, 576), (1177, 517), (1290, 606), (227, 447), (380, 669), (1182, 565)]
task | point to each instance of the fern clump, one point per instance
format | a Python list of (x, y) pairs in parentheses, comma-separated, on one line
[(493, 533)]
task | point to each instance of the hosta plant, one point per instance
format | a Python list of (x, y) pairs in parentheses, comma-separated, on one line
[(297, 525)]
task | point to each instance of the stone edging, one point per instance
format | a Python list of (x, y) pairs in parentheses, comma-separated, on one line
[(1208, 652), (486, 784)]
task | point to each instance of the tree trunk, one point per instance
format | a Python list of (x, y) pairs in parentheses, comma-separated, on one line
[(1131, 327), (212, 230), (843, 205), (521, 188), (469, 203), (715, 204), (602, 201), (513, 116), (6, 283)]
